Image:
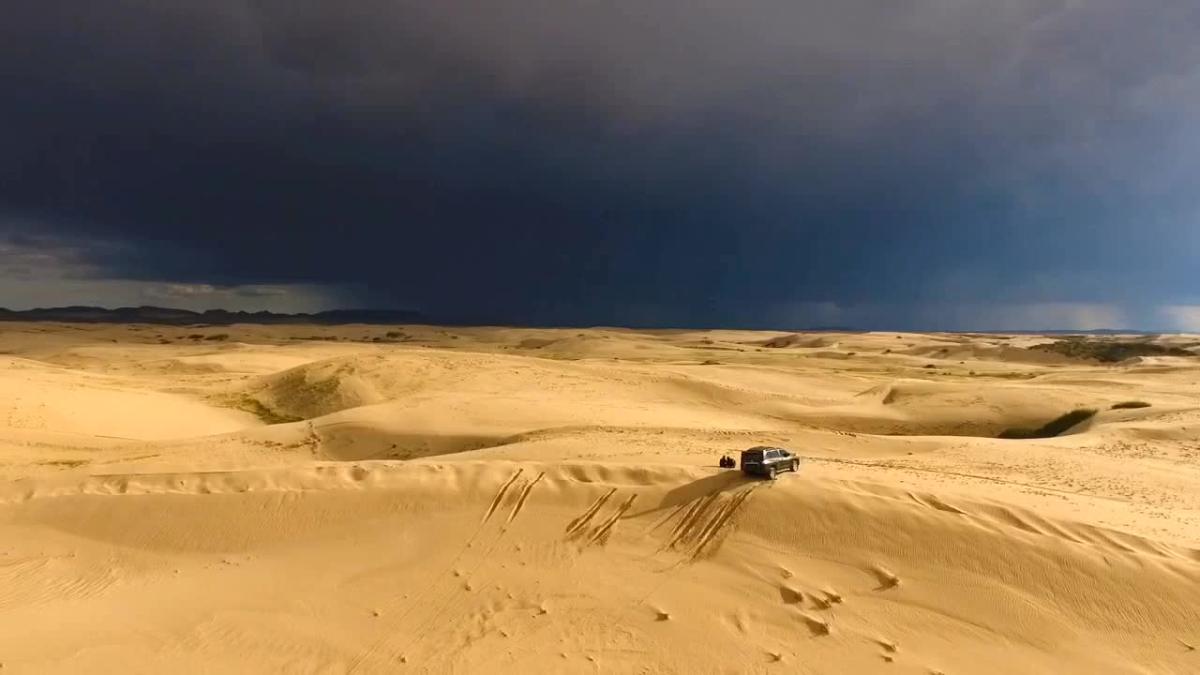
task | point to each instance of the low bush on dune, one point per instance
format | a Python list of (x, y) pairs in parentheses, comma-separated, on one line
[(1128, 405), (1055, 427), (1108, 351), (264, 413)]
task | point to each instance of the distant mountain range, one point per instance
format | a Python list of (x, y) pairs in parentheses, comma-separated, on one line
[(222, 317), (1074, 331)]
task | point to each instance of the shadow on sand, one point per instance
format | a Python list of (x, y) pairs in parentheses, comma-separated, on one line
[(727, 480)]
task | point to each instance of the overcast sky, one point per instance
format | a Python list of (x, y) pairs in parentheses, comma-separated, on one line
[(933, 164)]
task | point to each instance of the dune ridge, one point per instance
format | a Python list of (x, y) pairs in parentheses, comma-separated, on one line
[(510, 500)]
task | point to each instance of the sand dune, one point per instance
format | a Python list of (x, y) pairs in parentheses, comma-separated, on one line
[(40, 396), (421, 499)]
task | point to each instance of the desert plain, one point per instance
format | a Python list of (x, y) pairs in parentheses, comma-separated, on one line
[(370, 499)]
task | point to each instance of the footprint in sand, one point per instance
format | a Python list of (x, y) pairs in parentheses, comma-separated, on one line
[(819, 602), (818, 626), (889, 646), (887, 579)]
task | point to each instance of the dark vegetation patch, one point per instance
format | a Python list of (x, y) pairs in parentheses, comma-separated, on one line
[(1108, 351), (795, 340), (65, 463), (1129, 405), (263, 412), (217, 337), (1013, 376), (1055, 427)]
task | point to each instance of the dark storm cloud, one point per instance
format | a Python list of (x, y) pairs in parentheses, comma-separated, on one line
[(591, 162)]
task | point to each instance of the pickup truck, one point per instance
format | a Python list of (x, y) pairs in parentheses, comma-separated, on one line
[(767, 461)]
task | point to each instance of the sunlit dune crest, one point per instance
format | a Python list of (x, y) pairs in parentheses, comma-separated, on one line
[(371, 499)]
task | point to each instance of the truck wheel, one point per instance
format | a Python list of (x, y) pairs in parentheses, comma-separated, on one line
[(771, 473), (795, 465)]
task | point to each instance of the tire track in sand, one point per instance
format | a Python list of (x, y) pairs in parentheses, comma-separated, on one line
[(524, 495), (500, 496), (601, 534), (585, 518)]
